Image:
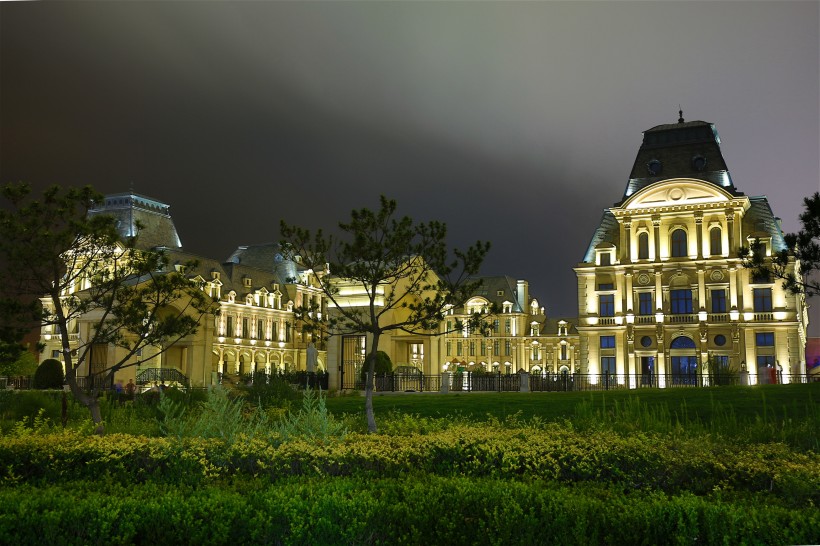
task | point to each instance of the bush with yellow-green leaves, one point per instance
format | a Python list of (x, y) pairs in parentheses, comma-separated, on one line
[(550, 452)]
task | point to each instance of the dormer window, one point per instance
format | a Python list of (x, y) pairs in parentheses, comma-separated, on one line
[(215, 275), (248, 282)]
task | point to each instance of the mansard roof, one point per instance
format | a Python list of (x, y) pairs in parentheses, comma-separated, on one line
[(687, 149), (760, 219), (146, 217), (506, 286), (607, 232)]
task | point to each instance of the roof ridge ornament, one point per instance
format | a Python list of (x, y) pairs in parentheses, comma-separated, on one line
[(680, 114)]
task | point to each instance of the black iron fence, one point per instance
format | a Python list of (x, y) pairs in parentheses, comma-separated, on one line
[(484, 382)]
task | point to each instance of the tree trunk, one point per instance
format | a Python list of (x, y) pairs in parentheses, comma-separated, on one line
[(90, 401), (369, 386)]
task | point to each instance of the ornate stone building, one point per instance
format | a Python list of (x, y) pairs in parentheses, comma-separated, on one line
[(662, 296), (257, 291), (518, 337)]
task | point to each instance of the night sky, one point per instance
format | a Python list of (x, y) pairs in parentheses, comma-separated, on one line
[(516, 123)]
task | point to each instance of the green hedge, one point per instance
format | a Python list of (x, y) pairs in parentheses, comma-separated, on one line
[(639, 462), (437, 510)]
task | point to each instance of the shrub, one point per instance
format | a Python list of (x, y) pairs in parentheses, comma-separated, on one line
[(383, 365), (49, 375)]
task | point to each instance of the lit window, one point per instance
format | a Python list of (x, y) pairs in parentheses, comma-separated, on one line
[(764, 339), (606, 305), (607, 342), (645, 303), (715, 242), (681, 301), (719, 301), (762, 299), (679, 249), (608, 365), (643, 246)]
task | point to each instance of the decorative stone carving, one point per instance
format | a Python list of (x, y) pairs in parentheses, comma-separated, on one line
[(716, 275)]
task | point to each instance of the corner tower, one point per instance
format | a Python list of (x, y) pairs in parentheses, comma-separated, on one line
[(663, 298)]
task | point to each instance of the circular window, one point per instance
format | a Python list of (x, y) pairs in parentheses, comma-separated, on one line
[(654, 167), (646, 341), (720, 340), (699, 162)]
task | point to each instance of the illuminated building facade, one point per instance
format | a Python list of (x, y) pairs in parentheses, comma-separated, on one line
[(519, 336), (255, 329), (662, 296)]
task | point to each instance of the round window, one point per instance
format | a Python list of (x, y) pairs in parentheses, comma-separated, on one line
[(720, 340), (646, 341), (654, 167)]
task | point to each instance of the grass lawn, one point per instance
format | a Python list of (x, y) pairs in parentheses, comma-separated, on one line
[(765, 402)]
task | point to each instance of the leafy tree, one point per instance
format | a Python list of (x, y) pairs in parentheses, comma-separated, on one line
[(403, 269), (66, 265), (803, 247)]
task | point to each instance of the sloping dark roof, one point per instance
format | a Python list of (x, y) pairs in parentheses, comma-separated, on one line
[(491, 286), (760, 219), (607, 232), (146, 217), (682, 150)]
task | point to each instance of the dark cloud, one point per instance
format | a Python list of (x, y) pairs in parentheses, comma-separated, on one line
[(513, 122)]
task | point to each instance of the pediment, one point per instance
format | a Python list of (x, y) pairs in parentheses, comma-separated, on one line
[(676, 192)]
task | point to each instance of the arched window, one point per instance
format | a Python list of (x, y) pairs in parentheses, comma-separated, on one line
[(643, 246), (679, 247), (715, 242), (682, 342)]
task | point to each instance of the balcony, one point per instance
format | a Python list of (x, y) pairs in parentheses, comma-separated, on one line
[(682, 319), (718, 317)]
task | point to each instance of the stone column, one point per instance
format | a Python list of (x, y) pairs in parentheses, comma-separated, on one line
[(699, 229), (656, 225), (627, 241), (730, 230)]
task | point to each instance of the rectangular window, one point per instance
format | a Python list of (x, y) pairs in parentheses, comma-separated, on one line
[(274, 330), (764, 339), (496, 326), (606, 259), (260, 329), (472, 348), (645, 303), (496, 347), (681, 301), (762, 299), (483, 348), (56, 354), (507, 328), (229, 326), (449, 348), (287, 331), (719, 301), (245, 331), (606, 305), (563, 352), (606, 286), (765, 361), (507, 348), (449, 326), (607, 342), (608, 365), (459, 348)]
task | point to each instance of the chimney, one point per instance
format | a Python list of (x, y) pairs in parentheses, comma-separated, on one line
[(523, 296)]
